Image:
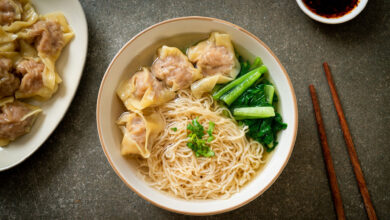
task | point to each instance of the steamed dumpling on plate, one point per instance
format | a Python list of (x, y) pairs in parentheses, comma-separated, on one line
[(139, 132), (16, 119), (216, 59), (49, 35), (9, 83), (16, 14), (143, 90), (174, 68), (40, 46), (38, 80)]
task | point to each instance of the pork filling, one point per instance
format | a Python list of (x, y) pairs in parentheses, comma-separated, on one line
[(48, 37), (11, 123), (173, 70), (9, 83), (31, 71)]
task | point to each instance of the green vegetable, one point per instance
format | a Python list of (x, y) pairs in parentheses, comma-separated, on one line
[(245, 66), (254, 112), (256, 63), (229, 97), (211, 128), (174, 129), (233, 84), (210, 131), (262, 130), (195, 141), (265, 130), (196, 128), (252, 100), (254, 96), (269, 93)]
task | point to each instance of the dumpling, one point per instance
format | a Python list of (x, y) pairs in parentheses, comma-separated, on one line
[(41, 45), (10, 11), (143, 90), (38, 80), (16, 119), (174, 68), (215, 57), (139, 132), (204, 85), (15, 15), (9, 83), (50, 34)]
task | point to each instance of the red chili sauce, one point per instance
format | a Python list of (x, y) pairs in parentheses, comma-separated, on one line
[(331, 8)]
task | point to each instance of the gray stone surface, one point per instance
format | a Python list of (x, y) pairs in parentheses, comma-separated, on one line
[(69, 176)]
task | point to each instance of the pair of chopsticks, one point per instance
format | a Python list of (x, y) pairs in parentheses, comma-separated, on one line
[(351, 151)]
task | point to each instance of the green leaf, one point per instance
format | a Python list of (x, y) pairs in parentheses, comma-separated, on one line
[(211, 128), (195, 141)]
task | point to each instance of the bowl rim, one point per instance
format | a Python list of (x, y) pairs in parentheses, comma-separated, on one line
[(339, 20), (295, 120)]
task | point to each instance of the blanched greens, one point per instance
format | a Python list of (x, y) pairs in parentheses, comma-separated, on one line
[(252, 101)]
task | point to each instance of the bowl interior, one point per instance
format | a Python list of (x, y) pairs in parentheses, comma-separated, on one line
[(181, 32)]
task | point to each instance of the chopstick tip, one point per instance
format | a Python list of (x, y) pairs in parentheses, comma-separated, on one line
[(325, 63)]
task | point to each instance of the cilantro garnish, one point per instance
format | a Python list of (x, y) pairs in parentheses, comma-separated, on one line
[(195, 141)]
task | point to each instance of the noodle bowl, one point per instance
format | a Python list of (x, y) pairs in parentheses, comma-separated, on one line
[(172, 166), (154, 184)]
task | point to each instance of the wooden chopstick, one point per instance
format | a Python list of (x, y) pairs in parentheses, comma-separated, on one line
[(350, 146), (338, 203)]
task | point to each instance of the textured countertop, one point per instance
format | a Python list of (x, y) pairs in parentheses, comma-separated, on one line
[(69, 176)]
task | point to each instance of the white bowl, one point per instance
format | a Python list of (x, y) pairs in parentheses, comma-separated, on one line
[(349, 16), (139, 52)]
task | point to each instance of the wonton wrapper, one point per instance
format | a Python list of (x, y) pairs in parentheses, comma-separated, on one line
[(14, 56), (7, 41), (154, 95), (33, 113), (27, 15), (153, 125), (174, 68), (221, 71)]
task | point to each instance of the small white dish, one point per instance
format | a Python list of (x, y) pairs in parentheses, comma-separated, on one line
[(70, 67), (138, 52), (349, 16)]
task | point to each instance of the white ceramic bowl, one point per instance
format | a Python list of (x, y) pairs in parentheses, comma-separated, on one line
[(139, 52), (349, 16)]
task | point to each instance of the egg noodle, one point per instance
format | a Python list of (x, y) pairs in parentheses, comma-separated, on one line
[(173, 167)]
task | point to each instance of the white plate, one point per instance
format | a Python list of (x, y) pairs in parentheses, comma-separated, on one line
[(70, 67)]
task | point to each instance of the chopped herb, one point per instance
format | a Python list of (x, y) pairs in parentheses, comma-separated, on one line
[(174, 129), (195, 141), (209, 139), (196, 128), (211, 128)]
